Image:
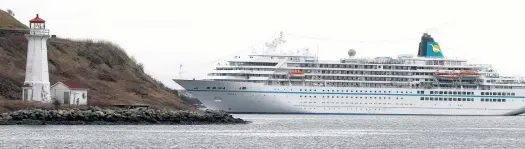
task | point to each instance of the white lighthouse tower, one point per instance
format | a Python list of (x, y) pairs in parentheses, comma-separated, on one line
[(36, 85)]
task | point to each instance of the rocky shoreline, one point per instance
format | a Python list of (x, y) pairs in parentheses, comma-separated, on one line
[(98, 116)]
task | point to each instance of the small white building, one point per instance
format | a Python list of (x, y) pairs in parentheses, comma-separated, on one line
[(69, 93)]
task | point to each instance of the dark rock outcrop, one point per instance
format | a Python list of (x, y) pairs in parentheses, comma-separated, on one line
[(98, 116)]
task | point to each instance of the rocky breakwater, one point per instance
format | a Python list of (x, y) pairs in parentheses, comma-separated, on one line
[(98, 116)]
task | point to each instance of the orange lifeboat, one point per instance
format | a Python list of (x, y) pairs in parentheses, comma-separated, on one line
[(296, 74), (469, 73)]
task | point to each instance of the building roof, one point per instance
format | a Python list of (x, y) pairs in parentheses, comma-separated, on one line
[(72, 85), (37, 20)]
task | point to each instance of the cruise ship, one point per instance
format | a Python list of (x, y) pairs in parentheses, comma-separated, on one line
[(427, 84)]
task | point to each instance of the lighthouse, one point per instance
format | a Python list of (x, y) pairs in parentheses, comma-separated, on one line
[(36, 85)]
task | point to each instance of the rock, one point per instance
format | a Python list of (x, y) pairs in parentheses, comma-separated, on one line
[(98, 116)]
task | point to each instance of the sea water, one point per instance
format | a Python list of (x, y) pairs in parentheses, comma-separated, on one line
[(285, 131)]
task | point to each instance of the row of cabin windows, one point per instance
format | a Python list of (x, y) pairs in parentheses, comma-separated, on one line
[(498, 93), (362, 66), (240, 88), (308, 102), (360, 103), (361, 91), (451, 93), (503, 87), (216, 88), (351, 97), (492, 100), (446, 99)]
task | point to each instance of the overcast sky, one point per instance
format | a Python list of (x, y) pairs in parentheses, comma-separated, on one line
[(164, 34)]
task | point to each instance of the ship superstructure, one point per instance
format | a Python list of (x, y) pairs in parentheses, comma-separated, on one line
[(429, 84)]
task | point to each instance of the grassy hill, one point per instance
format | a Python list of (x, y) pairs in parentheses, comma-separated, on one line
[(8, 21), (111, 75)]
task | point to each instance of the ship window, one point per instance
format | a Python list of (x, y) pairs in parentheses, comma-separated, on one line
[(482, 93), (513, 94), (499, 93), (503, 100), (431, 92), (449, 92), (213, 88), (455, 93), (422, 98), (300, 89), (482, 99), (440, 92), (499, 100), (207, 87)]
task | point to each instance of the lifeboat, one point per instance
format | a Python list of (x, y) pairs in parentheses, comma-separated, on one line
[(469, 73), (296, 74), (456, 74)]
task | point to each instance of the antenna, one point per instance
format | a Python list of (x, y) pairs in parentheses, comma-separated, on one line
[(180, 71), (317, 53)]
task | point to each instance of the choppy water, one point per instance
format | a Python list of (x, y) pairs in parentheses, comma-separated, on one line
[(285, 131)]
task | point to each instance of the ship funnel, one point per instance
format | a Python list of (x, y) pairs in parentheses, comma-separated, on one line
[(428, 47)]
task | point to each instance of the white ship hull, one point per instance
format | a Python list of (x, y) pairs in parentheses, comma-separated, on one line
[(259, 98)]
